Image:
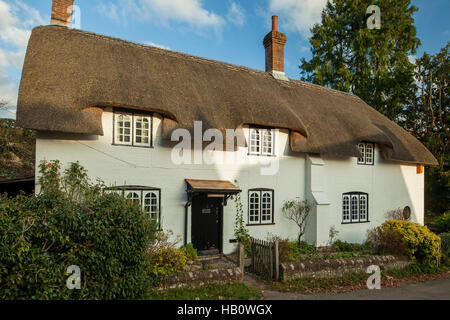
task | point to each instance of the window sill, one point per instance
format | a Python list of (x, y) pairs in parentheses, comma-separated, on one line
[(260, 224), (355, 222), (131, 146), (261, 155)]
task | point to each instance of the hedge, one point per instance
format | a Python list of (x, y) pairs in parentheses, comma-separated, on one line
[(73, 223)]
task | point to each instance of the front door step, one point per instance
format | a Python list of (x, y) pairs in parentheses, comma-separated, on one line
[(208, 258)]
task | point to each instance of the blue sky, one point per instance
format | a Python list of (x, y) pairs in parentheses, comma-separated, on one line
[(225, 30)]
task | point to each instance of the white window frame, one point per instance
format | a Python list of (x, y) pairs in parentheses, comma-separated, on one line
[(346, 208), (369, 153), (261, 141), (254, 207), (355, 207), (367, 150), (153, 208), (262, 211), (363, 207), (133, 194), (117, 129), (134, 117)]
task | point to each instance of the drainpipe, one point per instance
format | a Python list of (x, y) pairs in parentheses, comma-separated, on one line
[(186, 206)]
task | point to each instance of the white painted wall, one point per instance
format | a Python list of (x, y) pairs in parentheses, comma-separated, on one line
[(389, 185)]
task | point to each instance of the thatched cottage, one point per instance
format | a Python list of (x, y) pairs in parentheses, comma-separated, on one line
[(120, 108)]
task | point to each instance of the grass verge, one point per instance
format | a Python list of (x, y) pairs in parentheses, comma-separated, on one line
[(229, 291), (391, 278)]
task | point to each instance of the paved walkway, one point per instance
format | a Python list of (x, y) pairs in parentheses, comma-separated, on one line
[(429, 290)]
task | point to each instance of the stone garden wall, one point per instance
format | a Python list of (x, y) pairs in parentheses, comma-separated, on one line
[(329, 268), (202, 277)]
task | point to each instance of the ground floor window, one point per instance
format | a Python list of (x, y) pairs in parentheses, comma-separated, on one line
[(355, 207), (260, 206), (147, 198)]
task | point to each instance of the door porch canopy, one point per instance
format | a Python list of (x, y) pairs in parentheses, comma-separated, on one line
[(213, 188)]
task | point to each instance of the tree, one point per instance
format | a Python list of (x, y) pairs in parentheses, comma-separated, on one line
[(427, 118), (373, 64), (297, 211)]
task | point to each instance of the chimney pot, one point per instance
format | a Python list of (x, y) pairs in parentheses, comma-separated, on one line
[(62, 11), (274, 23)]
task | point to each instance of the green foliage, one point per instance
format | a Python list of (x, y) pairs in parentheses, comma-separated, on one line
[(422, 244), (164, 259), (441, 224), (230, 291), (290, 251), (372, 64), (17, 150), (190, 252), (103, 234), (414, 270), (166, 262), (343, 246), (445, 248), (241, 233)]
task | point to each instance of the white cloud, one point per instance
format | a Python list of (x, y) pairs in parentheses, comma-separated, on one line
[(113, 12), (185, 11), (297, 15), (236, 14), (16, 21), (149, 43), (190, 12), (8, 94)]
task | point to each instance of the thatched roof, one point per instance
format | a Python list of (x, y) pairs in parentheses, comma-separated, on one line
[(70, 75)]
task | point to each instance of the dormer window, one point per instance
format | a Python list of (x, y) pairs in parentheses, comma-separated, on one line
[(261, 141), (132, 129), (367, 153)]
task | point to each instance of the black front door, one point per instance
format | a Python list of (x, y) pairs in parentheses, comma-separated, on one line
[(207, 224)]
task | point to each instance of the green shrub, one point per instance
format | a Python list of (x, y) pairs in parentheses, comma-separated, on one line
[(441, 224), (445, 248), (71, 222), (422, 244), (304, 248), (343, 246), (290, 251), (387, 242), (166, 262), (190, 252)]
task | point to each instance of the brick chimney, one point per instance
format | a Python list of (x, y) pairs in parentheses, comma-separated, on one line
[(274, 43), (62, 11)]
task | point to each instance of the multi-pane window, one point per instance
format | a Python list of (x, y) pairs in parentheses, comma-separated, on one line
[(367, 153), (346, 208), (261, 141), (123, 129), (145, 197), (132, 129), (142, 131), (253, 208), (355, 207), (260, 206), (151, 204)]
